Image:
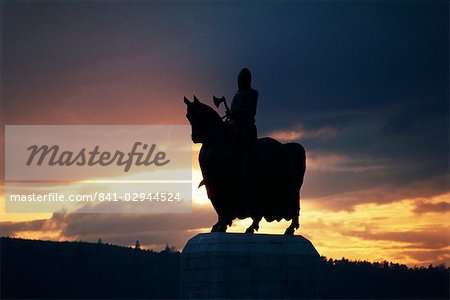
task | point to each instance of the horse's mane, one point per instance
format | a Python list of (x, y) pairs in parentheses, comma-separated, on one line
[(211, 114)]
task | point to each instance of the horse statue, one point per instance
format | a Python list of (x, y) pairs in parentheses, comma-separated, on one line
[(276, 175)]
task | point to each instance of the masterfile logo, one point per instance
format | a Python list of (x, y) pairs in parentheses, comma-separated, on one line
[(83, 157)]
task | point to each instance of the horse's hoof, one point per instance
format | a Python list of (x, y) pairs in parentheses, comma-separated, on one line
[(249, 230), (214, 228)]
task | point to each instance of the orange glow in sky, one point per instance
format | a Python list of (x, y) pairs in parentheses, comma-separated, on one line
[(375, 232)]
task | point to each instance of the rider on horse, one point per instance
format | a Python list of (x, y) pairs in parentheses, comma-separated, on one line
[(242, 120)]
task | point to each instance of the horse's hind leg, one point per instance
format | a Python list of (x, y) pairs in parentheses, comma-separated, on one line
[(294, 225), (255, 225)]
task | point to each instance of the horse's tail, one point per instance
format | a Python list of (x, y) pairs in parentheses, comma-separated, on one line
[(297, 159)]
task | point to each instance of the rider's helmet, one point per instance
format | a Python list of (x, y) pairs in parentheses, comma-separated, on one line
[(244, 79)]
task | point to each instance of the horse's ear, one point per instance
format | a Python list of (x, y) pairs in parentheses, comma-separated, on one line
[(186, 100), (196, 100)]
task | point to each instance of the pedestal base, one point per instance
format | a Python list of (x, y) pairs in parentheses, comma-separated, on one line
[(232, 265)]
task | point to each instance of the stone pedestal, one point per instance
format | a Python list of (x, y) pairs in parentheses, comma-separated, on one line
[(232, 265)]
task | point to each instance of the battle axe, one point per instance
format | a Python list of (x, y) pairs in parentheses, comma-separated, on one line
[(218, 101)]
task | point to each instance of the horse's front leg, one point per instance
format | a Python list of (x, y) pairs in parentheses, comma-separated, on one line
[(222, 224), (215, 227)]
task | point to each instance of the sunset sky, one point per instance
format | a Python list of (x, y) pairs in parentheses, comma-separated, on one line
[(363, 86)]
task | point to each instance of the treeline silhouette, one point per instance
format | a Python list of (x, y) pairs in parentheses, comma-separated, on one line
[(42, 269), (347, 279)]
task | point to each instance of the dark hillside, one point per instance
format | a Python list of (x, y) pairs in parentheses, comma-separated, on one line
[(41, 269)]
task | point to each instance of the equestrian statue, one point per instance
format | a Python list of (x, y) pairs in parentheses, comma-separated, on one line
[(245, 176)]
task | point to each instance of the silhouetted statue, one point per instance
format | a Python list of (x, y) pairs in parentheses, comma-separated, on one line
[(271, 174)]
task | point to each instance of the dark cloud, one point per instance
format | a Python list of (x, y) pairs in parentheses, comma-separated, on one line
[(440, 207), (435, 257), (153, 230), (427, 239), (345, 190), (11, 228), (78, 224)]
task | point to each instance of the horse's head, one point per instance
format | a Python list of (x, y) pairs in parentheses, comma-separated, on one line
[(204, 119)]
